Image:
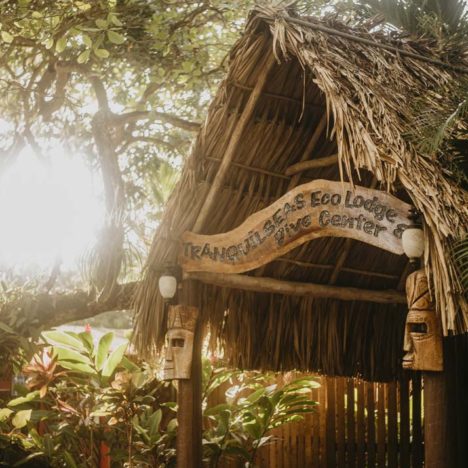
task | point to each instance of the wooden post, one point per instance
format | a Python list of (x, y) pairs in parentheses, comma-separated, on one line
[(189, 414), (436, 425)]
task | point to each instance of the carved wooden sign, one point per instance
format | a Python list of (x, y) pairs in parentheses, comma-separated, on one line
[(320, 208)]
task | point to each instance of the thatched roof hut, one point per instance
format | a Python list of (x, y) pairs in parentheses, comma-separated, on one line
[(325, 90)]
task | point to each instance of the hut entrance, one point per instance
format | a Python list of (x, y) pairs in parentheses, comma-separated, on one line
[(304, 142)]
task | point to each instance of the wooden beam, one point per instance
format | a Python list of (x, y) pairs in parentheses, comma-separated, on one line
[(325, 266), (271, 285), (281, 97), (234, 143), (251, 168), (311, 164)]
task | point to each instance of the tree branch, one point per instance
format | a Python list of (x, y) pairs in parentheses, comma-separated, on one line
[(46, 310), (129, 117)]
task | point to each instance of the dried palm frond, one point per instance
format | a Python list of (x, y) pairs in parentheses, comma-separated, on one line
[(327, 94)]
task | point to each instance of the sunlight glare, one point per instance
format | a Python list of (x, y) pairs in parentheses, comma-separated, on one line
[(47, 210)]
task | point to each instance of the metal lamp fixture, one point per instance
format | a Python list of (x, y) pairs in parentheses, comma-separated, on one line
[(168, 283), (413, 237)]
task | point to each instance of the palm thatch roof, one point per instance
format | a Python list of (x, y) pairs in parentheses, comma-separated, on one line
[(329, 89)]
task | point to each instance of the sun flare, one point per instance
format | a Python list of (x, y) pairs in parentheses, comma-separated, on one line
[(48, 210)]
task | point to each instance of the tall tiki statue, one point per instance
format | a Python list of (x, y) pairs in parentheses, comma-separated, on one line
[(423, 331), (181, 323)]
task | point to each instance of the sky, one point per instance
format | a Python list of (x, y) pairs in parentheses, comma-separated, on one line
[(48, 210)]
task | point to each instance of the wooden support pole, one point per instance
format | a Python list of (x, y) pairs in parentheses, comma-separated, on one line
[(311, 164), (234, 142), (189, 394), (436, 424), (271, 285)]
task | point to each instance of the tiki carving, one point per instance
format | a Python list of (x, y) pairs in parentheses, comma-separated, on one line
[(181, 323), (423, 331)]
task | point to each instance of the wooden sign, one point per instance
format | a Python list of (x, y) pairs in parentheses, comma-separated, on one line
[(320, 208)]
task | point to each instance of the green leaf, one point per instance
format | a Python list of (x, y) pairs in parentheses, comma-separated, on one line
[(84, 56), (24, 399), (37, 439), (217, 409), (253, 428), (101, 24), (5, 413), (87, 339), (103, 349), (154, 421), (69, 460), (101, 53), (78, 366), (255, 396), (139, 378), (114, 359), (21, 418), (115, 37), (7, 37), (129, 365), (172, 405), (65, 354), (112, 18), (172, 425), (61, 44), (56, 337)]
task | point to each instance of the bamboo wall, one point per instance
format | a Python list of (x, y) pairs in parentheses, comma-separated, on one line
[(357, 424)]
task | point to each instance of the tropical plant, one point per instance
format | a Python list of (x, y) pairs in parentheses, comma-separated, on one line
[(254, 406), (76, 398)]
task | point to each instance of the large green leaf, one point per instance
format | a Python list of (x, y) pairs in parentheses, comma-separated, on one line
[(78, 367), (24, 399), (56, 337), (114, 359), (65, 354), (103, 349)]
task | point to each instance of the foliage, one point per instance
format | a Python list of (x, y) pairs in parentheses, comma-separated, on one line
[(80, 394), (413, 15), (254, 407), (76, 392), (123, 84)]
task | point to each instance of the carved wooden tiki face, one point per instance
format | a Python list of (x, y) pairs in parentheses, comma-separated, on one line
[(181, 323), (423, 332)]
